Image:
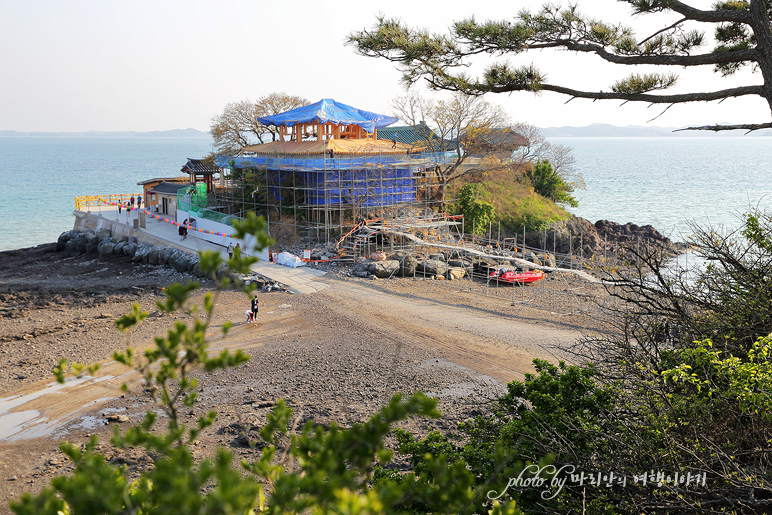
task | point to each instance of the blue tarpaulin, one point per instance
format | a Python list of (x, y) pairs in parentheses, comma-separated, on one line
[(328, 110)]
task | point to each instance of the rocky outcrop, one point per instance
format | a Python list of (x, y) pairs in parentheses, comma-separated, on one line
[(580, 237)]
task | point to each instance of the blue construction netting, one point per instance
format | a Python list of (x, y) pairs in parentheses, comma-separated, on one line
[(356, 187), (376, 180)]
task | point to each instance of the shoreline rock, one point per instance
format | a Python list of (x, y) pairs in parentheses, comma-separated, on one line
[(580, 236)]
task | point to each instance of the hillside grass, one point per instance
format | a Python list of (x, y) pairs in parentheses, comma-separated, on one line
[(515, 202)]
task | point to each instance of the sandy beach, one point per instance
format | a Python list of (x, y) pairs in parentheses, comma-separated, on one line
[(338, 354)]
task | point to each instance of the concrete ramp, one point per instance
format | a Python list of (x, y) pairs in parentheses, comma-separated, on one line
[(301, 280)]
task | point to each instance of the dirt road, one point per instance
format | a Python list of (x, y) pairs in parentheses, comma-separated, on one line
[(338, 354)]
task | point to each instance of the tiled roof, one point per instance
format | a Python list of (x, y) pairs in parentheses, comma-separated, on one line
[(168, 187), (162, 179), (413, 135), (199, 166), (502, 138), (408, 134)]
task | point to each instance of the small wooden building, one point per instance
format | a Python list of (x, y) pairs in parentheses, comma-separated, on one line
[(201, 170), (160, 194)]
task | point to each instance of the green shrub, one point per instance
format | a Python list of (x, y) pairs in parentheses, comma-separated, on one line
[(477, 213)]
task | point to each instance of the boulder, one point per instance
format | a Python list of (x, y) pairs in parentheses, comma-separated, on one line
[(130, 249), (464, 264), (106, 249), (431, 267), (407, 263), (383, 269), (163, 256), (533, 258), (80, 243), (140, 256), (91, 237), (485, 265), (359, 268), (104, 233), (61, 242), (180, 263), (69, 247), (152, 256), (455, 272), (118, 247), (439, 257), (90, 248)]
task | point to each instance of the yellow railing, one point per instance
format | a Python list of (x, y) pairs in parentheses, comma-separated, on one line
[(104, 200)]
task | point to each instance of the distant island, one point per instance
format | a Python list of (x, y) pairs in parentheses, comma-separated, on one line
[(595, 130), (601, 130), (174, 133)]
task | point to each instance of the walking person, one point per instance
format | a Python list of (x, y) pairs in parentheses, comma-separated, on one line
[(230, 250), (181, 232), (255, 304), (139, 202), (131, 203), (119, 207), (238, 246)]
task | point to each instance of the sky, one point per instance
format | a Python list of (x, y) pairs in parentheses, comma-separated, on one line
[(143, 65)]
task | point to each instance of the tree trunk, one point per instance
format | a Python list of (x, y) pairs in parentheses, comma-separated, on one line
[(763, 32)]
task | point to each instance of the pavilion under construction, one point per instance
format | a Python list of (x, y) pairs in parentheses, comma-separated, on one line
[(329, 171)]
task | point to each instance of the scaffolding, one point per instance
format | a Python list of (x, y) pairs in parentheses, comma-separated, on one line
[(315, 198), (388, 203), (570, 287)]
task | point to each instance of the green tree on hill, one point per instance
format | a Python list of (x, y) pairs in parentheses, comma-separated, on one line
[(547, 183)]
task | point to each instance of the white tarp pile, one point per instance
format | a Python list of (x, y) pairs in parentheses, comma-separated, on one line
[(290, 260)]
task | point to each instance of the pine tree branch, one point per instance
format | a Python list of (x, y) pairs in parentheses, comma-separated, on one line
[(637, 97), (717, 128)]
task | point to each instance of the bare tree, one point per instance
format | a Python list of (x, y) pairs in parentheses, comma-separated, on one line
[(535, 147), (742, 31), (460, 124), (237, 126)]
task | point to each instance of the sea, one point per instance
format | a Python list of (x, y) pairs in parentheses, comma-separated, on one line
[(41, 176), (673, 183), (669, 183)]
